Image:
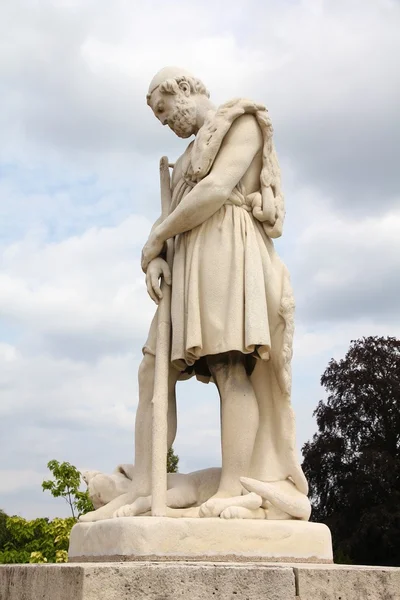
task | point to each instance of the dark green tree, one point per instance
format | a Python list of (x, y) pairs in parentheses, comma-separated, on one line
[(172, 461), (4, 533), (66, 483), (353, 461)]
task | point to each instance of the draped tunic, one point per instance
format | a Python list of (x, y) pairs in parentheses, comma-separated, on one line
[(231, 291)]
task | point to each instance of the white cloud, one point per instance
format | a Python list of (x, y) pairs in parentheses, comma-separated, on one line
[(12, 481), (76, 83), (348, 267), (85, 290), (8, 353), (64, 391), (79, 190)]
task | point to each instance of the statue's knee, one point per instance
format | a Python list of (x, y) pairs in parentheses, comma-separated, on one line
[(146, 370)]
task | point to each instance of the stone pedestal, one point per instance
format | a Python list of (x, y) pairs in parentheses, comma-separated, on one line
[(139, 538), (197, 581)]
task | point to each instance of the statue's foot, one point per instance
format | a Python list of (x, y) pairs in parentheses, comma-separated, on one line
[(284, 497), (216, 505), (239, 512)]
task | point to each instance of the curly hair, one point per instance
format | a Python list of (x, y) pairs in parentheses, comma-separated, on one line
[(171, 86)]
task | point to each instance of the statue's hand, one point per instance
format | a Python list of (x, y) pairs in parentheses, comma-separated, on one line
[(157, 268), (152, 249)]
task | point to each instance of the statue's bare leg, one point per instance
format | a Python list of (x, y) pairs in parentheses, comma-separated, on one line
[(141, 482), (239, 423), (143, 424)]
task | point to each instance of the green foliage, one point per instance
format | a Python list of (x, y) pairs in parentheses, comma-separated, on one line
[(353, 461), (172, 461), (36, 541), (37, 557), (83, 503), (41, 540), (4, 533), (65, 484)]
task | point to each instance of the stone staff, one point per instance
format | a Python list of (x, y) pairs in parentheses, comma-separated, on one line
[(162, 365)]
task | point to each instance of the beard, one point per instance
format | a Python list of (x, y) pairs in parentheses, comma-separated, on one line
[(183, 119)]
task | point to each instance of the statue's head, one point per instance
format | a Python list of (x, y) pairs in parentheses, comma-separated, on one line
[(174, 96)]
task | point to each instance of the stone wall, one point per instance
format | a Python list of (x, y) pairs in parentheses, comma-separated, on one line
[(197, 581)]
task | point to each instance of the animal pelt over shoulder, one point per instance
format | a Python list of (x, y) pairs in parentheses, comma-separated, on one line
[(271, 207)]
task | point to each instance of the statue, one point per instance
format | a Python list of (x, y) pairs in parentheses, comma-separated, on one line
[(232, 315)]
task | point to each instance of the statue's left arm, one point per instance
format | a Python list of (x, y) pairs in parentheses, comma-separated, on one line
[(240, 146)]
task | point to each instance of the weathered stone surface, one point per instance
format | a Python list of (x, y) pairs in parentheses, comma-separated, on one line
[(343, 582), (136, 538), (146, 581), (41, 582), (197, 581)]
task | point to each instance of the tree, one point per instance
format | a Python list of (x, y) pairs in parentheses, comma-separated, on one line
[(353, 461), (4, 533), (36, 541), (67, 480), (42, 540), (172, 461)]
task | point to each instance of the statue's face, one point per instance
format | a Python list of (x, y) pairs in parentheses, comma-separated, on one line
[(178, 111)]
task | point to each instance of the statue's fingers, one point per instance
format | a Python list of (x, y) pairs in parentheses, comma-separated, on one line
[(166, 271), (156, 286), (150, 290)]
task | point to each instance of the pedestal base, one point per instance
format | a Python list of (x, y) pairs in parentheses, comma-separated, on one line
[(197, 581), (152, 538)]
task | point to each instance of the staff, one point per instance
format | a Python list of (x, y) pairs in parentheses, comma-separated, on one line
[(162, 365)]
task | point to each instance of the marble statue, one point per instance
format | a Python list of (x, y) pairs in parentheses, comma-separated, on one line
[(232, 316)]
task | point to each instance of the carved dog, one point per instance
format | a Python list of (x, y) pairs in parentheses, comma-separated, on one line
[(112, 496)]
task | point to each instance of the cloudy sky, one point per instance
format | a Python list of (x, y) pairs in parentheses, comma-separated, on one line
[(79, 191)]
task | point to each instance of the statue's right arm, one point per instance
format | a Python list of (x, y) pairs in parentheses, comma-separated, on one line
[(156, 223), (240, 146)]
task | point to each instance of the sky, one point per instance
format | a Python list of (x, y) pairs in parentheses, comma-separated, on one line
[(79, 191)]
